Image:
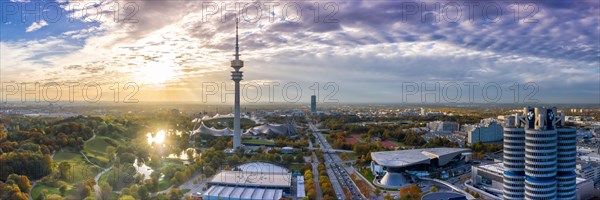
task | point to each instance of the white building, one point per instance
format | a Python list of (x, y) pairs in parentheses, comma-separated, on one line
[(486, 131), (588, 170), (489, 178), (442, 126)]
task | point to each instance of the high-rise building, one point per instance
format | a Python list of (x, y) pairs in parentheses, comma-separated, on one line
[(486, 131), (236, 76), (313, 104), (539, 156)]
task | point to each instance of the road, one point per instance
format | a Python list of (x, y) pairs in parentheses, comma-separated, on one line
[(194, 188), (339, 174), (315, 163)]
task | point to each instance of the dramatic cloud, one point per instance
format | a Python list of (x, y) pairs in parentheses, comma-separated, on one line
[(368, 48), (36, 25)]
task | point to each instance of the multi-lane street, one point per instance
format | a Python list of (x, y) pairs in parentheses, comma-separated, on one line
[(338, 173)]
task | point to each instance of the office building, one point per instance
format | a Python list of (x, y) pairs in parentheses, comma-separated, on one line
[(313, 104), (442, 127), (588, 170), (539, 156), (486, 131)]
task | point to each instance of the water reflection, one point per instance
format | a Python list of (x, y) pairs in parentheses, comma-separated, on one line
[(183, 155), (158, 138), (143, 169)]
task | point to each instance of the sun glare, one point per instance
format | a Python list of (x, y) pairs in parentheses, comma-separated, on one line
[(155, 73), (159, 138)]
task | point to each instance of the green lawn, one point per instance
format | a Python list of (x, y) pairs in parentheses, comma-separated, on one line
[(368, 175), (400, 144), (79, 167), (257, 142), (348, 156), (361, 139), (163, 185), (80, 170), (95, 150), (37, 190)]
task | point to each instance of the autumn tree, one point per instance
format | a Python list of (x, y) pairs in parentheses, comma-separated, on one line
[(106, 190), (21, 181), (64, 170)]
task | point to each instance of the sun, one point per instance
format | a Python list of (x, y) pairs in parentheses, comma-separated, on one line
[(155, 73), (159, 138)]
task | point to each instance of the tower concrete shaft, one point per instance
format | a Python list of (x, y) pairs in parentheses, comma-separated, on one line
[(236, 76)]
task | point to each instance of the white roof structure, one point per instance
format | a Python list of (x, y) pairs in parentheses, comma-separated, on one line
[(252, 179), (241, 193), (258, 194), (497, 168), (262, 167), (272, 129), (213, 131), (300, 187), (404, 158), (247, 194), (237, 193)]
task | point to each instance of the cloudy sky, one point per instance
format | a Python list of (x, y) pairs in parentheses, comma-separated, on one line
[(355, 51)]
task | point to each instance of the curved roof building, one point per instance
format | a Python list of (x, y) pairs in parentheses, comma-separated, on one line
[(391, 164), (406, 158), (262, 167), (444, 196)]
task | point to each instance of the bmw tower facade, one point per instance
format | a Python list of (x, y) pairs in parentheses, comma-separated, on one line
[(539, 156)]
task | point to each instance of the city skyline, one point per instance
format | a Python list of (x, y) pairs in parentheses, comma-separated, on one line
[(372, 52)]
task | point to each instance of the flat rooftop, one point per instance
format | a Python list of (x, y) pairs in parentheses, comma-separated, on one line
[(262, 167), (404, 158), (242, 193), (252, 179), (498, 168)]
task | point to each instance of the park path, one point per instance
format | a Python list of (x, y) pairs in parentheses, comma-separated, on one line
[(97, 189), (97, 178)]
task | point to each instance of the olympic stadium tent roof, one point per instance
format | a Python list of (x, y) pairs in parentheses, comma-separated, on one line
[(404, 158), (272, 129), (213, 131)]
